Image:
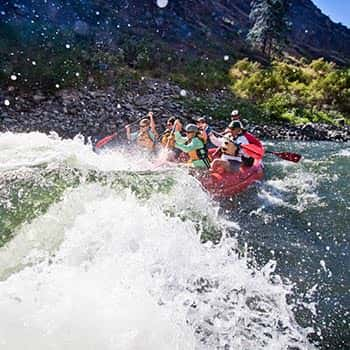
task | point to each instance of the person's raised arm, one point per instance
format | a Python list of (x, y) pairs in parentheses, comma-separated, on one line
[(153, 125), (178, 127), (217, 141)]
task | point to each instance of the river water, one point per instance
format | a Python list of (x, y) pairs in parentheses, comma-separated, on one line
[(97, 253)]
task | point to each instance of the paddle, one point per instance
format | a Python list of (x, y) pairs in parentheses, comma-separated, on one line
[(105, 140), (134, 122), (170, 135), (109, 138), (291, 157), (257, 152), (253, 151)]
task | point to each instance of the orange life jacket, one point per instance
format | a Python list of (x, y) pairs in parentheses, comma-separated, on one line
[(144, 140), (168, 139), (199, 154)]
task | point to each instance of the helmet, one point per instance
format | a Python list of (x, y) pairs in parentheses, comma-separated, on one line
[(235, 113), (201, 119), (144, 122), (235, 124), (191, 128)]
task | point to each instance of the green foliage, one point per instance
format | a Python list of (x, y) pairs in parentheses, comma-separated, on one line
[(220, 109), (201, 75), (53, 59), (60, 59), (318, 91)]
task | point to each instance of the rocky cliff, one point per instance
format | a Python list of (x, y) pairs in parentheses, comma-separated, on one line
[(199, 26), (314, 34)]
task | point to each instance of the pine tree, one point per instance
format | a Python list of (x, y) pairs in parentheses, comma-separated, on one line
[(269, 25)]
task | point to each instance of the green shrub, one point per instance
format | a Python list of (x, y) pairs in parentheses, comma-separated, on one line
[(221, 109), (294, 92), (201, 74)]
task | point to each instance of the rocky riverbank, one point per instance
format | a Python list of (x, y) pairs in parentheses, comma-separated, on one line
[(97, 113)]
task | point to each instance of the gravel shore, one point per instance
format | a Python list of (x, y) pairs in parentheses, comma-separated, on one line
[(100, 112)]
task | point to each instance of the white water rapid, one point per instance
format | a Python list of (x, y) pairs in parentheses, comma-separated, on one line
[(108, 269)]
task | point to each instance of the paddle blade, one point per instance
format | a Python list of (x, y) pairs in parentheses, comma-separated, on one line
[(291, 157), (105, 140), (253, 151)]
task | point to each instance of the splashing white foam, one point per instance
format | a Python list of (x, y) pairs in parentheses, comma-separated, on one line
[(300, 184), (344, 153), (102, 269)]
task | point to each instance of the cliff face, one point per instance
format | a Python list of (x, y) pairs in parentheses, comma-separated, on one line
[(205, 26), (314, 34)]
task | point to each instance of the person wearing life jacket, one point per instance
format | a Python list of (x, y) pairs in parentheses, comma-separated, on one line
[(235, 116), (242, 137), (193, 144), (249, 136), (167, 139), (147, 135), (232, 156), (205, 130)]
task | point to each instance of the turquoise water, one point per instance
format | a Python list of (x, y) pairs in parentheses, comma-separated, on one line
[(300, 216), (99, 252)]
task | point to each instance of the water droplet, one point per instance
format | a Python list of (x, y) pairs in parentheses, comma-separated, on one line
[(33, 63), (57, 86), (226, 58), (97, 13), (77, 74), (6, 102), (183, 93), (119, 106), (162, 3), (13, 77), (67, 46)]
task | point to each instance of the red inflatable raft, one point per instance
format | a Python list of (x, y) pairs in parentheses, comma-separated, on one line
[(229, 184)]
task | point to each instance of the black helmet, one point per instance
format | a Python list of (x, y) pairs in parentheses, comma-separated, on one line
[(235, 124)]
